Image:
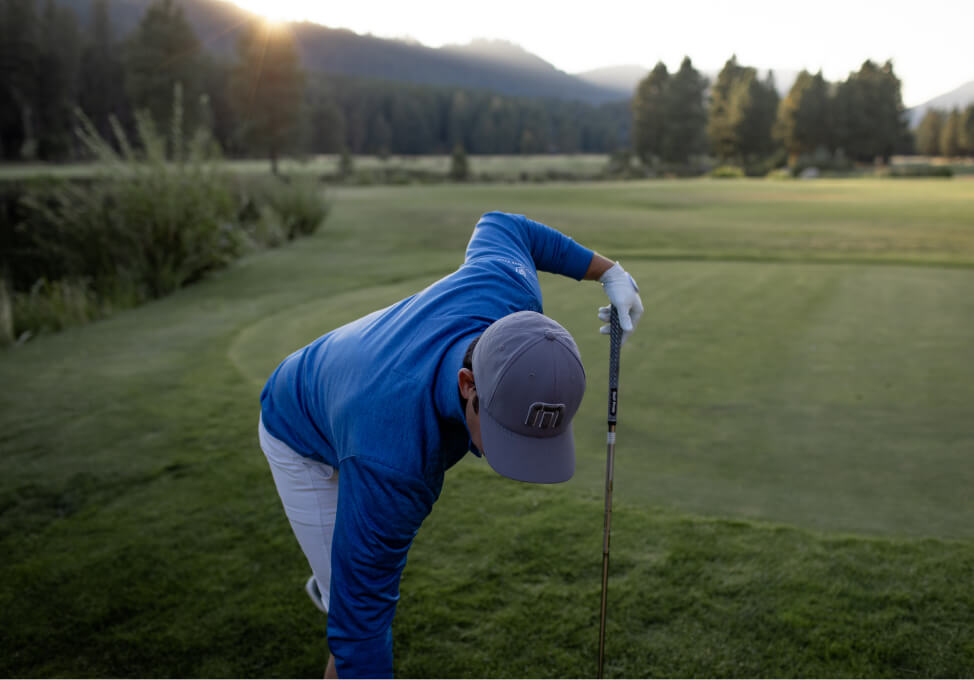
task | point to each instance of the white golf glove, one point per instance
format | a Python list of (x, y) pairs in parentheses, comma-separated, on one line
[(623, 294)]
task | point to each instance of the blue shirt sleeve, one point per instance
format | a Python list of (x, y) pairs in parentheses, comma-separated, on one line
[(547, 249), (380, 510)]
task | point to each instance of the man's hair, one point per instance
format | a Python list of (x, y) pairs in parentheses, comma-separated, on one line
[(468, 364), (468, 356)]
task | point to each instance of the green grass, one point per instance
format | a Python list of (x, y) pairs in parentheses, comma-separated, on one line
[(506, 168), (792, 473), (500, 167)]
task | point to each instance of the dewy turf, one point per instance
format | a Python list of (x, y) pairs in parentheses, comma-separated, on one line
[(792, 469)]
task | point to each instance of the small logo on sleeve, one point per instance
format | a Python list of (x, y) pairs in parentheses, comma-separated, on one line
[(518, 266)]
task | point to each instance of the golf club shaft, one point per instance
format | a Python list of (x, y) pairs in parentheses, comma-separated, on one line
[(614, 346)]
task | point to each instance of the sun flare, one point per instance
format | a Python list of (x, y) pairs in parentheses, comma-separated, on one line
[(278, 11)]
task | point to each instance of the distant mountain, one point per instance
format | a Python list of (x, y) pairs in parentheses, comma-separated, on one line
[(622, 78), (500, 51), (484, 64), (491, 65), (217, 24), (626, 77), (960, 98)]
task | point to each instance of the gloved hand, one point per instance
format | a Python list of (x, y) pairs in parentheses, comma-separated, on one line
[(623, 294)]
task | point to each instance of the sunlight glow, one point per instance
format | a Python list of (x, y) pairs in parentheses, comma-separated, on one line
[(929, 48), (278, 11)]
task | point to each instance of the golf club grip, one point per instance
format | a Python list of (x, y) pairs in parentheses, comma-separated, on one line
[(615, 343)]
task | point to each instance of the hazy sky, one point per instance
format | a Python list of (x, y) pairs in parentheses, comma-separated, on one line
[(929, 41)]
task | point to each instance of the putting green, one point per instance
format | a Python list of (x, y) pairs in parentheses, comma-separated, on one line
[(829, 396)]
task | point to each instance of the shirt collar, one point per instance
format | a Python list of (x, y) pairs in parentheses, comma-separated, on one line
[(446, 392)]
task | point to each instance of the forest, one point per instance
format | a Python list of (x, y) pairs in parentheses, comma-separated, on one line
[(259, 99)]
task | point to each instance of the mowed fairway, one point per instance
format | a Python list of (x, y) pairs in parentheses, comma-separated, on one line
[(793, 467)]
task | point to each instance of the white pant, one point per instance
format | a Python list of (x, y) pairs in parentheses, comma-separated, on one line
[(309, 491)]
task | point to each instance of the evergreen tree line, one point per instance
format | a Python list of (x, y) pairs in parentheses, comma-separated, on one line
[(741, 119), (258, 103), (49, 66), (261, 103), (373, 117), (946, 133)]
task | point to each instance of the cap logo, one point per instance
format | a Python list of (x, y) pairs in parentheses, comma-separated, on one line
[(544, 416)]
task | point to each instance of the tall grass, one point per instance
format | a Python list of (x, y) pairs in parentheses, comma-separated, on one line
[(275, 210), (143, 227), (6, 315), (158, 214)]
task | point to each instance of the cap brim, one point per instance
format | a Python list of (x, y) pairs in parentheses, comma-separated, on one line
[(541, 460)]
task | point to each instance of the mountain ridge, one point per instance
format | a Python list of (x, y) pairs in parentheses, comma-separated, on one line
[(627, 76), (514, 72), (488, 64), (960, 97), (483, 64)]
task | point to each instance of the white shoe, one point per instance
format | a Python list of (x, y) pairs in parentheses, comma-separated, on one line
[(311, 588)]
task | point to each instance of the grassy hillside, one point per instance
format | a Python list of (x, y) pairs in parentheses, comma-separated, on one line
[(792, 468)]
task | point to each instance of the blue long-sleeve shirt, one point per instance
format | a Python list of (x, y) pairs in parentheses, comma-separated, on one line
[(378, 399)]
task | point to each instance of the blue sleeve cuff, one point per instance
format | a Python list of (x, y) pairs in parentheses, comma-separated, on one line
[(577, 260), (379, 512), (363, 658), (556, 253)]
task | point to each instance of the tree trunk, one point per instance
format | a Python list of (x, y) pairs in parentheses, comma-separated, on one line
[(28, 147)]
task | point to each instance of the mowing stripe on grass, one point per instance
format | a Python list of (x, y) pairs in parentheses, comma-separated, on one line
[(143, 535)]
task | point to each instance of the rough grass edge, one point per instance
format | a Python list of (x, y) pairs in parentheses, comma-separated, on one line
[(6, 315), (162, 213)]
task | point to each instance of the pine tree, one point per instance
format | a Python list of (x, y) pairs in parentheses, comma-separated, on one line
[(102, 92), (458, 118), (928, 133), (758, 117), (57, 81), (163, 53), (413, 129), (649, 114), (803, 122), (327, 123), (724, 110), (380, 136), (459, 167), (534, 130), (743, 109), (216, 105), (950, 135), (967, 131), (870, 120), (685, 116), (268, 89), (346, 165), (19, 55)]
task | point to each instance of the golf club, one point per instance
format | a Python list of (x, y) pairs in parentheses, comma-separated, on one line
[(615, 343)]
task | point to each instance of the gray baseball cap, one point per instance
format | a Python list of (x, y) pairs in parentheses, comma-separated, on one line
[(530, 382)]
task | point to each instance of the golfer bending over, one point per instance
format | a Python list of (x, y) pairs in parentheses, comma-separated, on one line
[(360, 426)]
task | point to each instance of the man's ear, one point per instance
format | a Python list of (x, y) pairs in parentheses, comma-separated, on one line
[(466, 383)]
